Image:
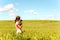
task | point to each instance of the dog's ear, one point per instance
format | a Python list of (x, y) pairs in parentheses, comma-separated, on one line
[(21, 20)]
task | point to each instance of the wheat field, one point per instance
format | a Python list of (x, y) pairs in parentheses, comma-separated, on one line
[(31, 30)]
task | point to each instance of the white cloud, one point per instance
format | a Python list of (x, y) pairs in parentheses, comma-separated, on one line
[(6, 7), (1, 9), (13, 10), (30, 11), (10, 8), (12, 15)]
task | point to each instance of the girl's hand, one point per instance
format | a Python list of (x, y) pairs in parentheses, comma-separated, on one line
[(19, 26)]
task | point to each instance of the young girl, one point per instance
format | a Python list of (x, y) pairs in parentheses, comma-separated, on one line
[(18, 24)]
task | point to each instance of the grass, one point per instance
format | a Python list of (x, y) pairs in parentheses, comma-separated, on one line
[(32, 30)]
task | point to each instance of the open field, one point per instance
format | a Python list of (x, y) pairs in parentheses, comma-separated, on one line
[(32, 30)]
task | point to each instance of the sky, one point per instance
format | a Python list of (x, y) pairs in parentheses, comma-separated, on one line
[(30, 9)]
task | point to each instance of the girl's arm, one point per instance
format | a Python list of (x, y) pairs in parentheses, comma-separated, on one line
[(20, 26)]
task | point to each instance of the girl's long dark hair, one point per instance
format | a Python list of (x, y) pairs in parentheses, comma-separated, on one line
[(17, 18)]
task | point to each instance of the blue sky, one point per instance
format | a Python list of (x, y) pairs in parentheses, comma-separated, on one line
[(30, 9)]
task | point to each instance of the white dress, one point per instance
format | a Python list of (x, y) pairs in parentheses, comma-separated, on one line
[(18, 30)]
